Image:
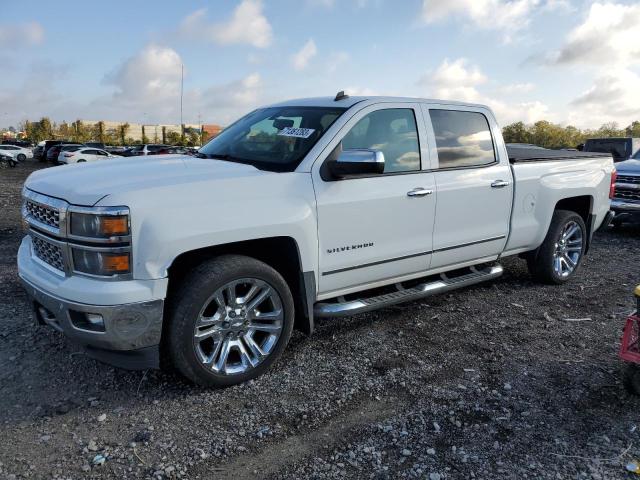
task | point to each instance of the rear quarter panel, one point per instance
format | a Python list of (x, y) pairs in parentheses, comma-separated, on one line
[(539, 186)]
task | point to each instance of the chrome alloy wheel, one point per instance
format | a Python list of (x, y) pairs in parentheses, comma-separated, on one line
[(238, 326), (568, 250)]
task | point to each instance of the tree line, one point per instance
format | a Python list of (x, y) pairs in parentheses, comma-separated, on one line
[(80, 132), (550, 135), (542, 133)]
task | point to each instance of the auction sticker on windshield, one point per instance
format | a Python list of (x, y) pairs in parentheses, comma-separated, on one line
[(296, 132)]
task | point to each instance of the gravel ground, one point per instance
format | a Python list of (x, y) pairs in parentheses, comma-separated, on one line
[(489, 382)]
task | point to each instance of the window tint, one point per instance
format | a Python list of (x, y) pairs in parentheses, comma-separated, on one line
[(463, 139), (393, 132)]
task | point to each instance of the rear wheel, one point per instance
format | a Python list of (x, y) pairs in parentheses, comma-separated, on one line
[(232, 318), (560, 255), (22, 157)]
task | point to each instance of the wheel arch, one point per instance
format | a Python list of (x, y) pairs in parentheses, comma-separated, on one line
[(583, 206), (280, 253)]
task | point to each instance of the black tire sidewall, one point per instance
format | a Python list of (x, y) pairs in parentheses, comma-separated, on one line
[(22, 157), (197, 289), (544, 260)]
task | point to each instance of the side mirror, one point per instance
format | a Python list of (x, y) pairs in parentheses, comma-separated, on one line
[(357, 162)]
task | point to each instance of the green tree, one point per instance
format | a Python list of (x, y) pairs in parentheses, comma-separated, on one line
[(98, 132), (174, 138), (122, 133)]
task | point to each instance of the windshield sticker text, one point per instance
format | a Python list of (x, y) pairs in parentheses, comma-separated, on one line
[(296, 132)]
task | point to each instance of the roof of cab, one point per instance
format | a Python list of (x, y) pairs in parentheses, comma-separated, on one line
[(348, 102)]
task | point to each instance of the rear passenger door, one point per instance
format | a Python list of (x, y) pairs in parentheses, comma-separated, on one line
[(474, 185)]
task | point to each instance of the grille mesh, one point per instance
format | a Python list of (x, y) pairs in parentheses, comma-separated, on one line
[(47, 215), (627, 194), (628, 179), (48, 253)]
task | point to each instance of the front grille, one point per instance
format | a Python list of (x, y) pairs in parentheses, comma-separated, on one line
[(43, 214), (627, 194), (48, 252), (628, 179)]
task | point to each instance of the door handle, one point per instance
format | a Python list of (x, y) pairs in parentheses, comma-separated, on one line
[(419, 192), (500, 184)]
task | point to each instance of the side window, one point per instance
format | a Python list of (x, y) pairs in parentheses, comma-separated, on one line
[(463, 139), (392, 131)]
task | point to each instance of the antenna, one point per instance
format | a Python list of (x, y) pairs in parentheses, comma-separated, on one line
[(181, 91), (340, 96)]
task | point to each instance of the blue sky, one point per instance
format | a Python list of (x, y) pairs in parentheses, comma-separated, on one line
[(569, 61)]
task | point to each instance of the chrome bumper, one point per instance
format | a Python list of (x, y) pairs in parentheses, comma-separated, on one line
[(625, 207), (128, 328)]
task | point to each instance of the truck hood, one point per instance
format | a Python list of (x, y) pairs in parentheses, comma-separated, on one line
[(628, 166), (85, 184)]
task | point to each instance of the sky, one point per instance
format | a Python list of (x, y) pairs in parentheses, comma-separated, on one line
[(572, 62)]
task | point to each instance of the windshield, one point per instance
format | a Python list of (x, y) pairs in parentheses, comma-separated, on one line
[(275, 139), (619, 148)]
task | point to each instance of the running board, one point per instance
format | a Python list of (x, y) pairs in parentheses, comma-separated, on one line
[(343, 307)]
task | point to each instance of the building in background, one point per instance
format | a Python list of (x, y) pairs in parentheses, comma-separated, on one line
[(155, 133)]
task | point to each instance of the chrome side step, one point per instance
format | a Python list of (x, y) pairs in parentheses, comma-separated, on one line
[(343, 307)]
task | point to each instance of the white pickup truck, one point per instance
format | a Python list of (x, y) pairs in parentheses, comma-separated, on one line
[(320, 207)]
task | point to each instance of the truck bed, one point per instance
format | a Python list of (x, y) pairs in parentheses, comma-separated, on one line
[(523, 155)]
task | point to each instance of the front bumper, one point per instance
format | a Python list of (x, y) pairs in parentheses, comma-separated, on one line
[(131, 310), (130, 336)]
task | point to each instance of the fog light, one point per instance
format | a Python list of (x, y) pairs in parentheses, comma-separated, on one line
[(87, 321), (95, 319)]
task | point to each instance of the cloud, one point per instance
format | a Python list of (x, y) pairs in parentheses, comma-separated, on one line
[(247, 26), (458, 80), (613, 97), (516, 88), (152, 73), (610, 35), (301, 58), (24, 34), (455, 80), (508, 16)]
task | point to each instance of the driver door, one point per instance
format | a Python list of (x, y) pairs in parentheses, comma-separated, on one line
[(375, 230)]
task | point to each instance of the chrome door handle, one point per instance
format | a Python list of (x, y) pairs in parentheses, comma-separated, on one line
[(500, 184), (419, 192)]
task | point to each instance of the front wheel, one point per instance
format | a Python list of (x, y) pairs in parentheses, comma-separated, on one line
[(22, 157), (560, 255), (231, 318)]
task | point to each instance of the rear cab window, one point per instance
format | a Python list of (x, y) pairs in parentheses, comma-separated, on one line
[(463, 139), (617, 147)]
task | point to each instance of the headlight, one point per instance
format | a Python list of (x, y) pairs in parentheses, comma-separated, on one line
[(102, 263), (99, 226)]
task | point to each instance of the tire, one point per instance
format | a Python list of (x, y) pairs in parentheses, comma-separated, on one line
[(543, 263), (631, 378), (22, 157), (200, 306), (82, 160)]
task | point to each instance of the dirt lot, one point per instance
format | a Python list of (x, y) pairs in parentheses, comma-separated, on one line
[(489, 382)]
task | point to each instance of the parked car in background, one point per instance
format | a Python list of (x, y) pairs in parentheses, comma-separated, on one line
[(147, 149), (98, 145), (7, 161), (19, 153), (172, 151), (622, 148), (37, 151), (53, 152), (626, 197), (83, 154), (349, 212), (18, 143), (48, 144)]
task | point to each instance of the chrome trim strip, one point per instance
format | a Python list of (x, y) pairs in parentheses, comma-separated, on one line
[(373, 264), (462, 245), (421, 254)]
